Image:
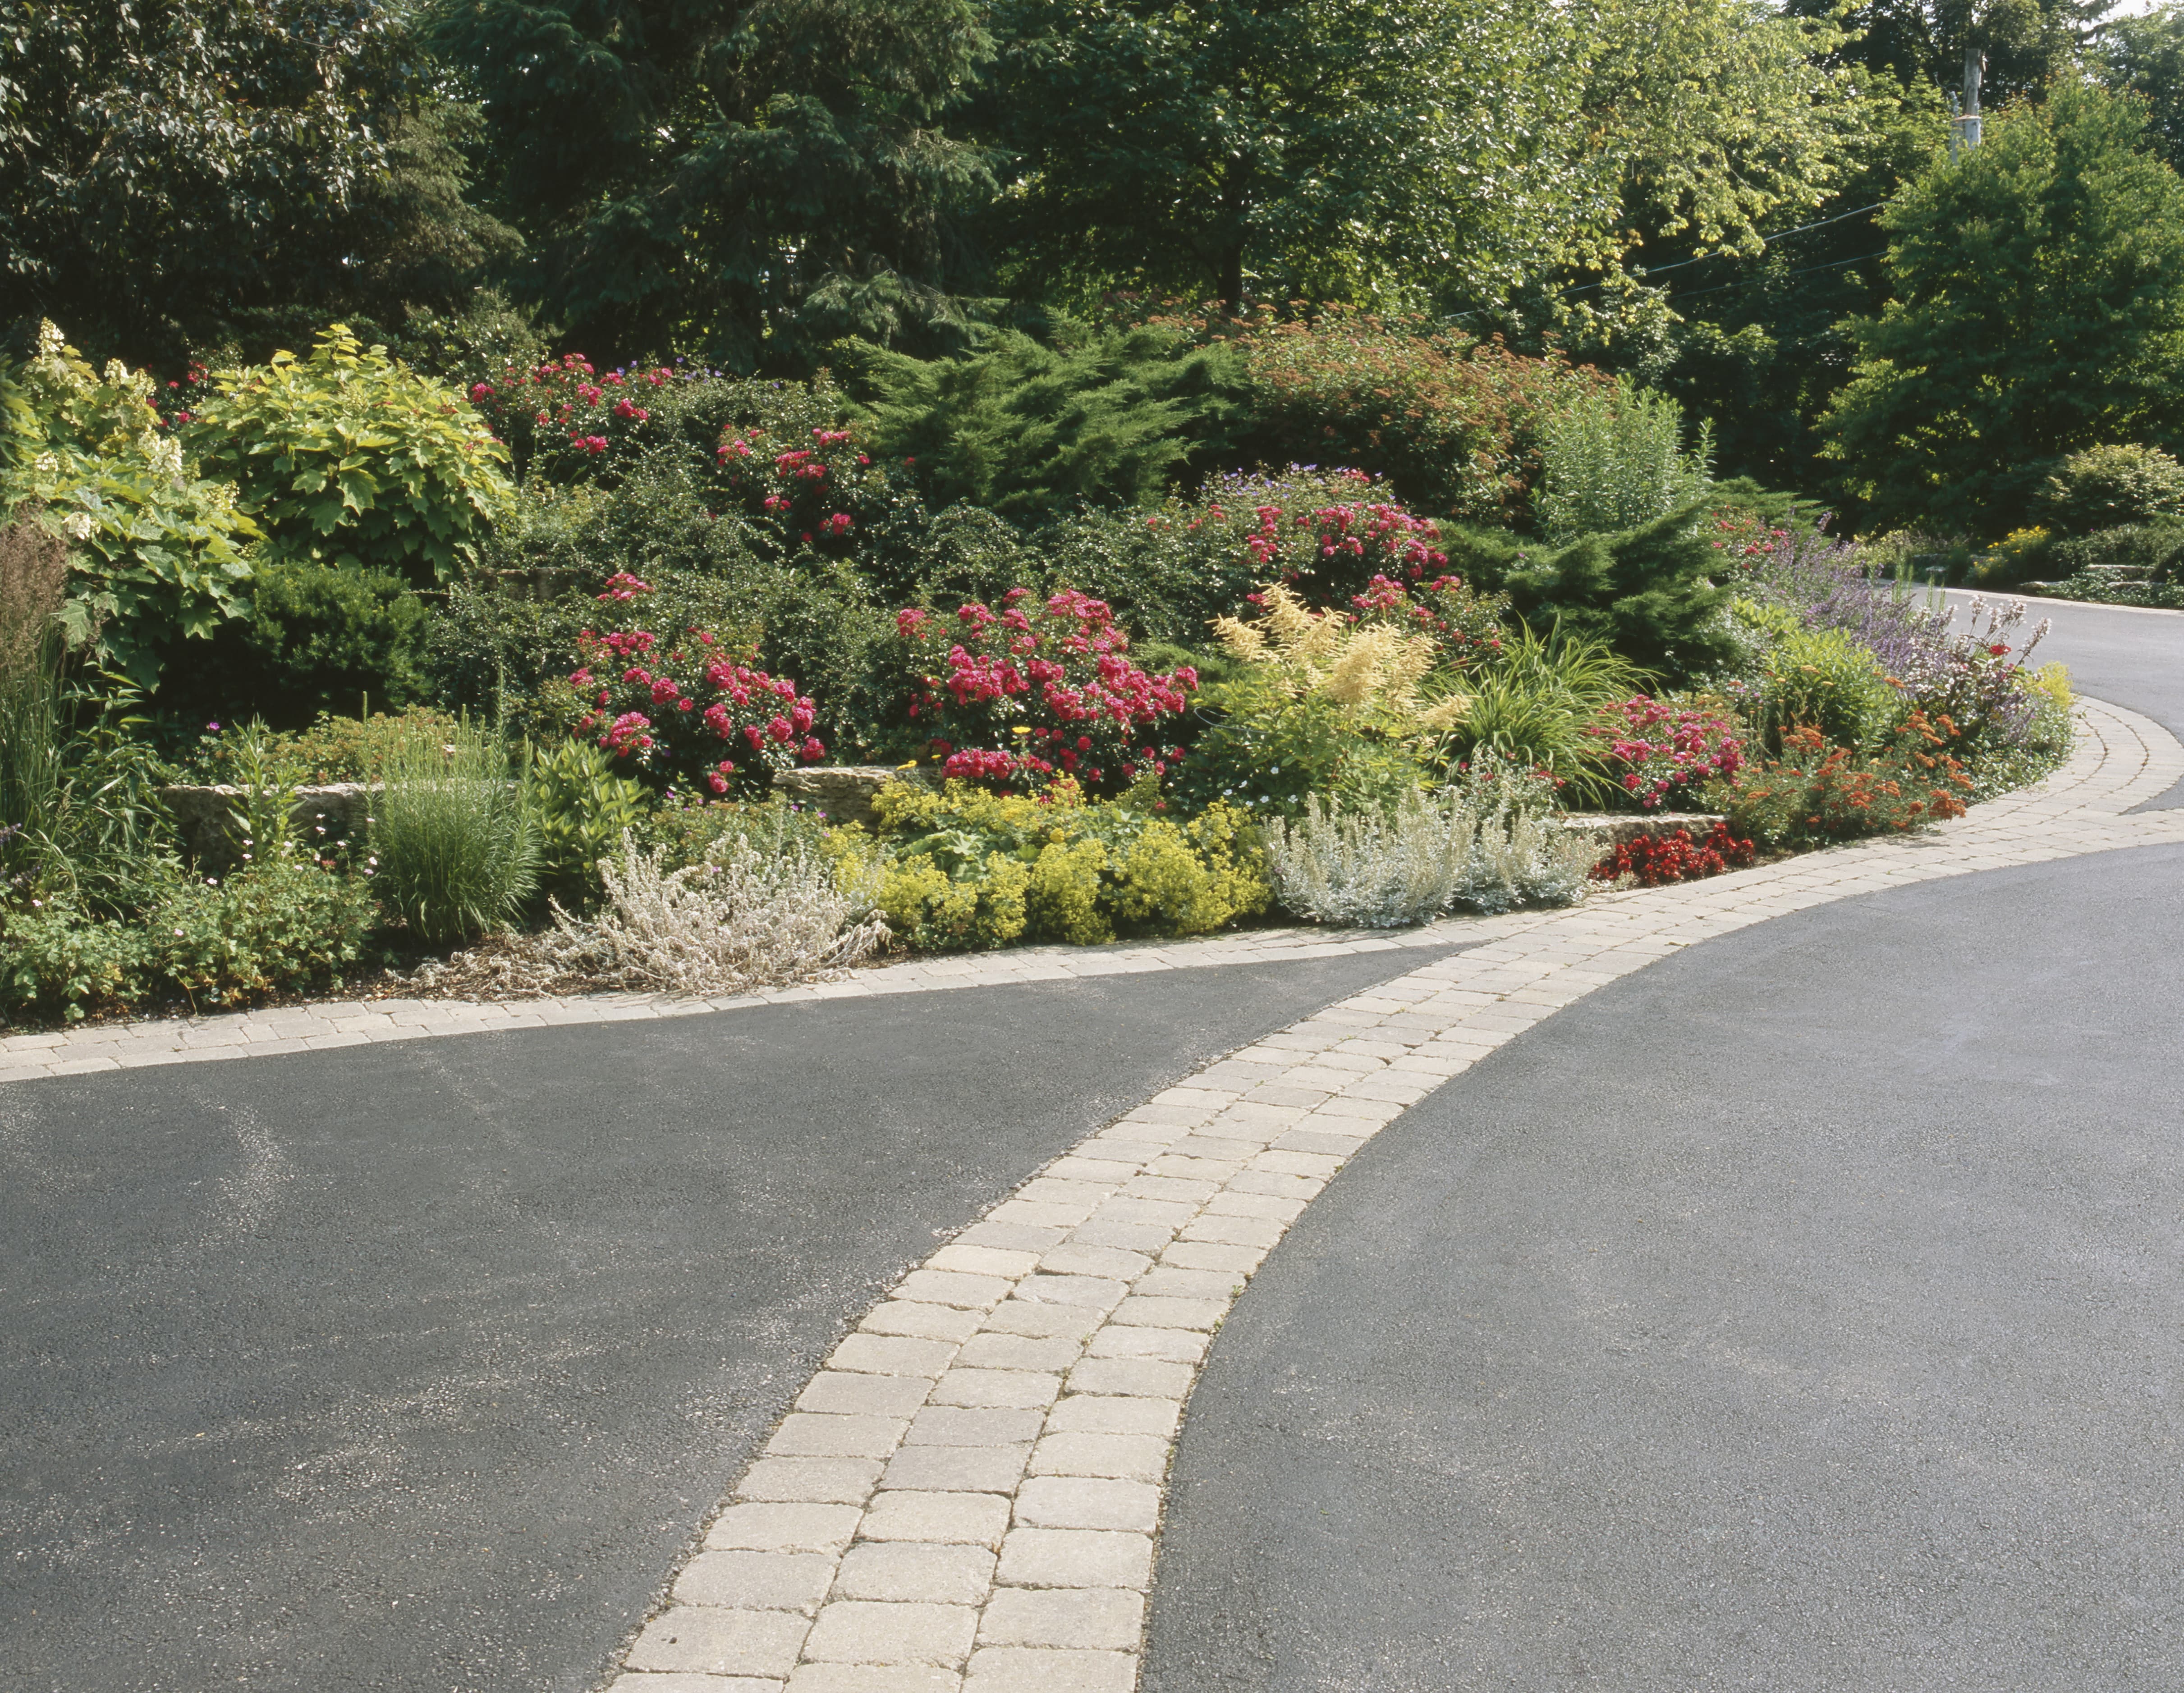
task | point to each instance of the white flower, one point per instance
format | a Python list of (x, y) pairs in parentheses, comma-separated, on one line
[(80, 526)]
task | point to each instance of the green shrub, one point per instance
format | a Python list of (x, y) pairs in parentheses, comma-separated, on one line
[(1615, 460), (582, 808), (318, 638), (456, 847), (347, 458), (1829, 680), (57, 960), (161, 554), (2107, 487), (1021, 428), (332, 749), (1647, 592), (964, 868), (2157, 547), (281, 922), (685, 835), (1536, 704), (1453, 424)]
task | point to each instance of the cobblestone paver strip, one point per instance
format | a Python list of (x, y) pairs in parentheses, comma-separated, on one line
[(965, 1499)]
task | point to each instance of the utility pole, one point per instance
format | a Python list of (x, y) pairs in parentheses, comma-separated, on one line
[(1965, 119)]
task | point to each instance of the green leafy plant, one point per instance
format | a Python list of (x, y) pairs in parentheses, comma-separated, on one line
[(963, 867), (57, 960), (1615, 460), (1829, 680), (161, 554), (456, 847), (317, 637), (582, 809), (347, 458), (2107, 487), (1538, 705), (283, 922)]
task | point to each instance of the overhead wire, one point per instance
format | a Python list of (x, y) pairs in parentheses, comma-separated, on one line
[(1681, 264)]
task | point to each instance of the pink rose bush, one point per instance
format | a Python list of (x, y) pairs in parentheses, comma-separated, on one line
[(1658, 751), (819, 486), (565, 415), (685, 709), (1017, 696)]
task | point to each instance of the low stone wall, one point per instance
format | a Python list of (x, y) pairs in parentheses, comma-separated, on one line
[(206, 815), (1611, 830), (845, 792)]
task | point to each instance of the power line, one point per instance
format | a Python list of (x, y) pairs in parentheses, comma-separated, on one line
[(1748, 281), (1663, 270)]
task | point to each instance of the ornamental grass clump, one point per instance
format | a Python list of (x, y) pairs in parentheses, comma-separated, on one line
[(455, 849)]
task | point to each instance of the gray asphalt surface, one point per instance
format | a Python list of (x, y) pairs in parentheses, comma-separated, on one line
[(2129, 657), (417, 1367), (1798, 1314)]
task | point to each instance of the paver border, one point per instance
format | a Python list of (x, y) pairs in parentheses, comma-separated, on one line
[(967, 1497)]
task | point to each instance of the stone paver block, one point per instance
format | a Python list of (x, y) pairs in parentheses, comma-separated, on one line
[(643, 1682), (1171, 1313), (806, 1435), (977, 1519), (1135, 1237), (958, 1469), (953, 1287), (1076, 1557), (873, 1631), (990, 1351), (1237, 1203), (1234, 1231), (996, 1388), (1096, 1293), (1094, 1618), (953, 1324), (1041, 1669), (1087, 1413), (1148, 1377), (783, 1527), (906, 1570), (872, 1678), (1030, 1316), (709, 1640), (973, 1260), (818, 1481), (1053, 1502), (1319, 1141), (1175, 1346), (1130, 1457), (888, 1355), (838, 1393), (757, 1581), (1011, 1237), (956, 1425), (1239, 1262), (1173, 1281), (1072, 1260)]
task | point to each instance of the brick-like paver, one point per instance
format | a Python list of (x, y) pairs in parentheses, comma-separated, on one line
[(1032, 1374)]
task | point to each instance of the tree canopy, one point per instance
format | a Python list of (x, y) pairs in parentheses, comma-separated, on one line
[(2038, 307)]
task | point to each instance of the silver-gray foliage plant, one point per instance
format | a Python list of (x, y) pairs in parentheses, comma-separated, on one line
[(1486, 845)]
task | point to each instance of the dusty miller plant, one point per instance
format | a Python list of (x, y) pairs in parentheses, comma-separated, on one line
[(1489, 842), (746, 918)]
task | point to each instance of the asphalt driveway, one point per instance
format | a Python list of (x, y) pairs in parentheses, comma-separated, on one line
[(417, 1367), (1800, 1314)]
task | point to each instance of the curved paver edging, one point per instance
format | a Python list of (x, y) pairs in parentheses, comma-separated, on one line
[(966, 1496)]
